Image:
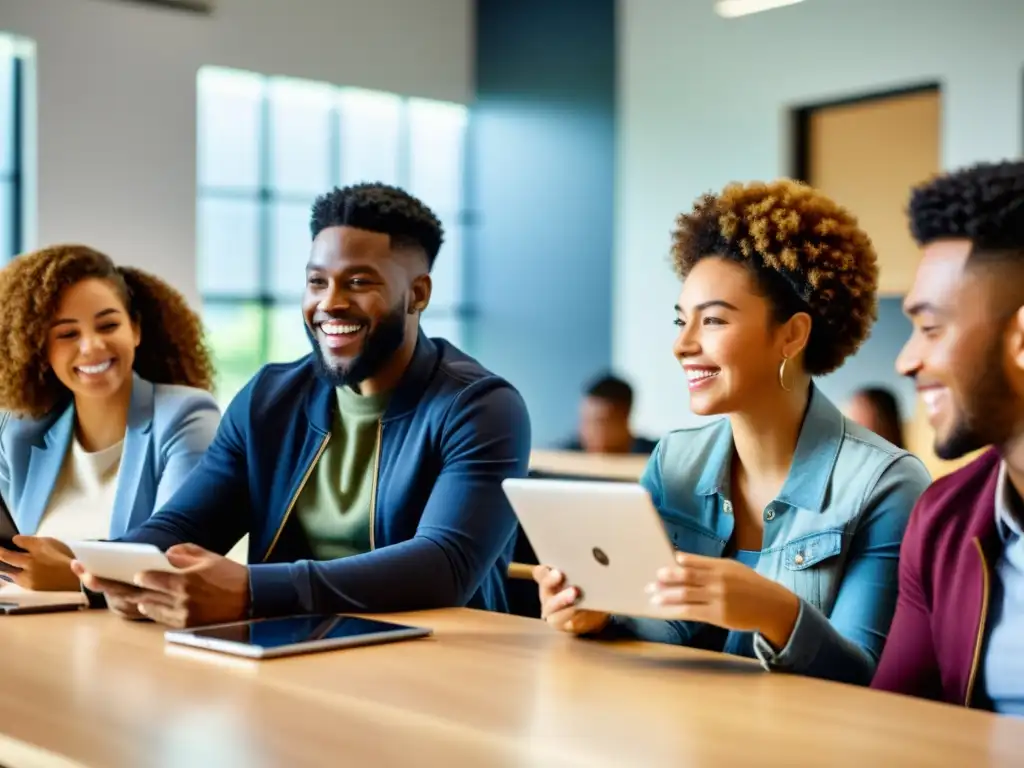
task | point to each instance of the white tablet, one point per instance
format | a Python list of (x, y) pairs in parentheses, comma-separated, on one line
[(118, 561), (606, 537), (267, 638)]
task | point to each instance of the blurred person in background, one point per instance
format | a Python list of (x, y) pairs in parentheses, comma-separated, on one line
[(877, 409), (105, 392), (604, 420), (787, 517)]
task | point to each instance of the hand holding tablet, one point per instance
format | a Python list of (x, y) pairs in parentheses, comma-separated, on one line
[(116, 561), (188, 587), (558, 601), (604, 540)]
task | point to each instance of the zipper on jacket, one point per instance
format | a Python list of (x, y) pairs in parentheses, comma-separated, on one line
[(373, 487), (982, 621), (295, 497)]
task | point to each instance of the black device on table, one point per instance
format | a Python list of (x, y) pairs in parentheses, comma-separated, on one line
[(8, 528)]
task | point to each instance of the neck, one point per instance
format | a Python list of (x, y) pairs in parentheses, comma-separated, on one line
[(765, 437), (101, 423), (388, 377)]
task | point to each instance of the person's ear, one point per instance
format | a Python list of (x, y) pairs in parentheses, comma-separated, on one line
[(137, 333), (796, 332), (420, 294), (1015, 338)]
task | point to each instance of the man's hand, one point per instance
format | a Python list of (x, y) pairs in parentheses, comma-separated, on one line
[(45, 565), (119, 596), (211, 589)]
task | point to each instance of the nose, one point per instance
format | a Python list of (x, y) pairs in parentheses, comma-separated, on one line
[(334, 299), (908, 361), (91, 342), (686, 344)]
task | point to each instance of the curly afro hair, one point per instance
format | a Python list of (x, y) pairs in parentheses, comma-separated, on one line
[(806, 252), (983, 204), (172, 348), (380, 208)]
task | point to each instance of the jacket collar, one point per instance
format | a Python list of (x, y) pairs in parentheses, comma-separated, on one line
[(47, 457), (817, 449), (406, 397)]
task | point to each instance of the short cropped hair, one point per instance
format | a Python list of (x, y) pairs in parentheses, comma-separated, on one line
[(807, 254), (380, 208), (983, 203), (613, 389)]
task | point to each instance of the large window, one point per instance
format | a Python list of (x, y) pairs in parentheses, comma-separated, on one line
[(267, 147), (11, 217)]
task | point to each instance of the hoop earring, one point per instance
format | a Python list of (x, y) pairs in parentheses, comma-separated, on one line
[(782, 375)]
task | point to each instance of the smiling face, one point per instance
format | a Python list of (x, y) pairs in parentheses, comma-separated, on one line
[(956, 353), (361, 302), (728, 344), (91, 342)]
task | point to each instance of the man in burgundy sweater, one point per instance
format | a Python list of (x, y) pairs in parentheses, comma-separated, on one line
[(958, 632)]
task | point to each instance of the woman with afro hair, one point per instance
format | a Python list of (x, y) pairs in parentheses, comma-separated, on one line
[(106, 405), (786, 517)]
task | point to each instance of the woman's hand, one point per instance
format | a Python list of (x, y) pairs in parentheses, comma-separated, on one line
[(727, 594), (558, 604), (45, 565)]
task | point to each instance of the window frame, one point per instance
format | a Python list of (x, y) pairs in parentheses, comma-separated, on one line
[(266, 197), (14, 179)]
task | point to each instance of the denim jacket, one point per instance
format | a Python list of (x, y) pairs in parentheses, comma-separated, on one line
[(832, 535)]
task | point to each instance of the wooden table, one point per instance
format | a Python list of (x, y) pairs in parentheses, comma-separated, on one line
[(486, 690)]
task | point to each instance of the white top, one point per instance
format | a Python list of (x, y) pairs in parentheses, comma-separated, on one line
[(83, 500)]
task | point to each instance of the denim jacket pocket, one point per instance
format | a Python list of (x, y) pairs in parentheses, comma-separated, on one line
[(689, 535), (812, 568), (811, 549)]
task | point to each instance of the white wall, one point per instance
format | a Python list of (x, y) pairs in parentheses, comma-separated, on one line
[(704, 101), (116, 101)]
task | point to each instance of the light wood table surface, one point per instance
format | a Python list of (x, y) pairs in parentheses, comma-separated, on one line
[(486, 690)]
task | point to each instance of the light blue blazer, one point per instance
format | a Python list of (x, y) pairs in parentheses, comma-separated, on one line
[(169, 429)]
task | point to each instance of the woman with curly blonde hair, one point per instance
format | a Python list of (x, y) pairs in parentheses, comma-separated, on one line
[(787, 518), (105, 400)]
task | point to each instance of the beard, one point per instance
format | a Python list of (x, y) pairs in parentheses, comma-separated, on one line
[(985, 417), (379, 347)]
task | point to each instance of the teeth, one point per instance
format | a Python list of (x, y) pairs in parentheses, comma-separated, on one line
[(931, 398), (338, 329), (694, 375), (92, 370)]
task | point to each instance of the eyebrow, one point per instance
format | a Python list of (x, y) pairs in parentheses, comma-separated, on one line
[(367, 268), (921, 306), (707, 304), (97, 316)]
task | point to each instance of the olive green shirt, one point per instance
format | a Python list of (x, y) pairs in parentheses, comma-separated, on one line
[(334, 508)]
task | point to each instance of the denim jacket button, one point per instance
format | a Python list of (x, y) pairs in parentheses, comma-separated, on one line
[(798, 558), (769, 514), (727, 506)]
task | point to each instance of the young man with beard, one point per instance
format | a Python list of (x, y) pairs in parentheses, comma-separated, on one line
[(958, 632), (368, 474)]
